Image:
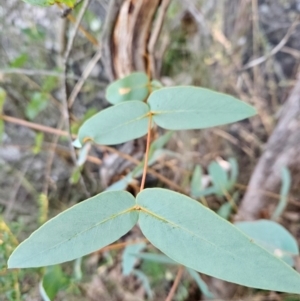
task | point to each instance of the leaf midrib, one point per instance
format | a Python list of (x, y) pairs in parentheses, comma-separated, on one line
[(146, 211), (84, 231), (121, 125)]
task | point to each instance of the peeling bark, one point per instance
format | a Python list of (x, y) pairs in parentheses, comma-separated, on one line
[(127, 35)]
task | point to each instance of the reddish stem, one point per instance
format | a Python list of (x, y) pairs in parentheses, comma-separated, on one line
[(146, 154)]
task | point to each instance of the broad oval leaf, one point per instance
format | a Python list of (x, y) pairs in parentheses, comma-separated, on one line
[(219, 177), (273, 237), (131, 87), (80, 230), (123, 122), (196, 237), (184, 108)]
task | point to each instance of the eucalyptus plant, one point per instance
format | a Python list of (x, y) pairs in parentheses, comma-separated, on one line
[(182, 228)]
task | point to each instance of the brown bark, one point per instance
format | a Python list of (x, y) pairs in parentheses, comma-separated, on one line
[(127, 43), (282, 149)]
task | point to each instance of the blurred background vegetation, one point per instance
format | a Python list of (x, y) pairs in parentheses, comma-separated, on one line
[(247, 48)]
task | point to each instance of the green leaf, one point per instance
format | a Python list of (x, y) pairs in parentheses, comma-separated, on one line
[(196, 237), (40, 2), (156, 85), (53, 281), (225, 210), (38, 143), (273, 237), (83, 154), (121, 184), (219, 177), (76, 175), (233, 173), (37, 104), (131, 87), (88, 114), (80, 230), (161, 141), (19, 61), (201, 284), (69, 3), (184, 108), (77, 270), (129, 259), (145, 282), (154, 155), (284, 191), (158, 258), (117, 124), (196, 182), (50, 83)]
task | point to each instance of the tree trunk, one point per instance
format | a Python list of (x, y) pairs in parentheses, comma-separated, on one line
[(282, 149), (129, 37)]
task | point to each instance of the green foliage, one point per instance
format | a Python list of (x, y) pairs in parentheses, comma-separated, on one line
[(19, 61), (8, 279), (273, 237), (196, 182), (69, 3), (129, 120), (76, 125), (129, 258), (155, 152), (54, 280), (39, 139), (40, 2), (183, 229), (225, 210), (131, 87), (153, 269), (49, 84), (167, 219), (221, 181), (159, 258), (185, 108), (218, 177), (189, 233), (85, 226), (38, 103), (201, 284), (145, 282), (284, 191), (117, 124)]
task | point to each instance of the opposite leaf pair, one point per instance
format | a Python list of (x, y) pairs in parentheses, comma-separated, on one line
[(175, 108), (182, 228)]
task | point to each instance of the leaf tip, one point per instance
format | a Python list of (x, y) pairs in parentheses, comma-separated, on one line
[(76, 143), (12, 263)]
